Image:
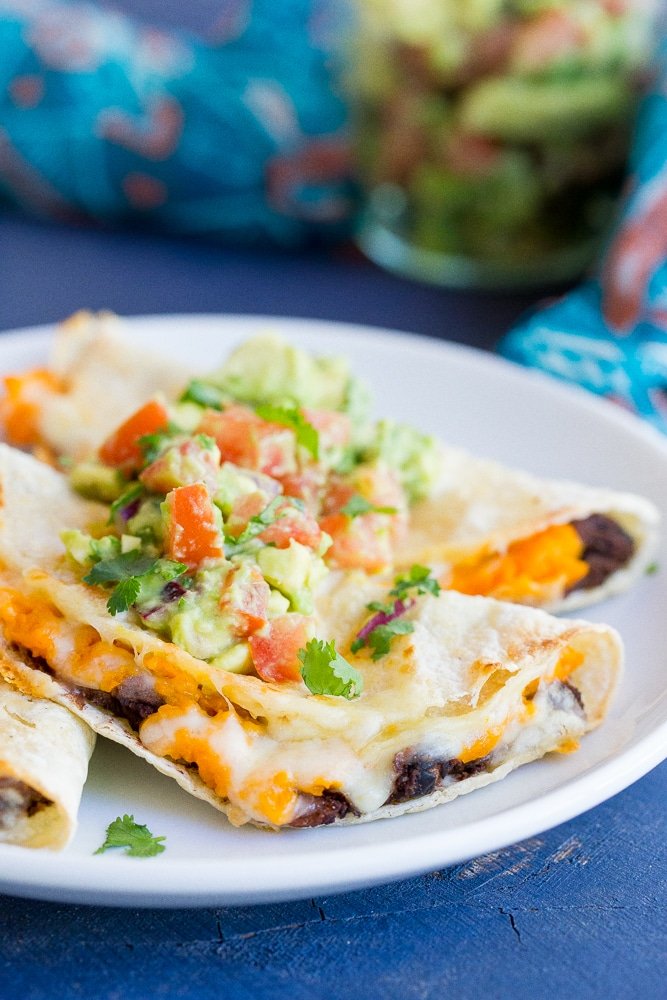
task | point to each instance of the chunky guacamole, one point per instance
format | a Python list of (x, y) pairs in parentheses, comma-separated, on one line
[(229, 507)]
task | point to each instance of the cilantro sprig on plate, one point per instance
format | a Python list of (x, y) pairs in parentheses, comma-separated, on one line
[(325, 671), (135, 838)]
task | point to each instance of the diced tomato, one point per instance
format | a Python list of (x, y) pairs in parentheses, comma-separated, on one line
[(246, 440), (334, 429), (292, 523), (243, 509), (192, 532), (365, 542), (275, 648), (121, 449), (246, 595), (377, 484), (306, 485), (339, 492)]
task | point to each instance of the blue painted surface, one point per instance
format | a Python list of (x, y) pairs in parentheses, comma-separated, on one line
[(580, 912)]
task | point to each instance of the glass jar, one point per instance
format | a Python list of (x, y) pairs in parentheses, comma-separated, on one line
[(492, 134)]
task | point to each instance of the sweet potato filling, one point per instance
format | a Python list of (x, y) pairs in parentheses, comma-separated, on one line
[(529, 569)]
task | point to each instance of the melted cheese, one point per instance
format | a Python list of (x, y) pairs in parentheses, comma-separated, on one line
[(75, 652), (262, 770), (533, 569)]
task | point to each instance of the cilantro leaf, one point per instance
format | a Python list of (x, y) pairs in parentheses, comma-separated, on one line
[(358, 505), (204, 394), (152, 444), (120, 568), (124, 595), (419, 579), (292, 416), (325, 671), (380, 638), (136, 838), (273, 511), (130, 572), (382, 607), (652, 568)]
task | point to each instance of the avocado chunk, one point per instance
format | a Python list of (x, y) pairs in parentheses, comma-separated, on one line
[(295, 572), (266, 369), (97, 482)]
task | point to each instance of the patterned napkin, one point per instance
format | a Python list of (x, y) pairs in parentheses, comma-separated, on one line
[(610, 334), (241, 137)]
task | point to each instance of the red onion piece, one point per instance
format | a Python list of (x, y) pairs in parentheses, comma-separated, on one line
[(384, 617)]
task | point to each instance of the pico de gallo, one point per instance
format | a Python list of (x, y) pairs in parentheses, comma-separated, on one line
[(226, 515)]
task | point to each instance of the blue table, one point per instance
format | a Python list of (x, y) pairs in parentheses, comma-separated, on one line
[(579, 912)]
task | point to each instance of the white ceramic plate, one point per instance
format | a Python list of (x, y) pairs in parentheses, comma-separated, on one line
[(494, 409)]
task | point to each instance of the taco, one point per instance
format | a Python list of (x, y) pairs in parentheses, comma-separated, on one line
[(283, 693), (44, 753), (495, 531)]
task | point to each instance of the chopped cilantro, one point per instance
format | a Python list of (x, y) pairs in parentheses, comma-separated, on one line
[(124, 595), (120, 568), (204, 394), (133, 492), (386, 623), (128, 571), (256, 525), (383, 607), (152, 444), (292, 416), (348, 461), (380, 638), (136, 838), (325, 671), (206, 442), (358, 505), (419, 579), (652, 569)]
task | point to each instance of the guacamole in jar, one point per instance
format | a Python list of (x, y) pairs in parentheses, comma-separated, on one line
[(492, 134)]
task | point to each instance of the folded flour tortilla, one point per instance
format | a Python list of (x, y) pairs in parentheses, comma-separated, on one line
[(44, 753), (476, 689), (555, 544), (95, 378), (486, 529)]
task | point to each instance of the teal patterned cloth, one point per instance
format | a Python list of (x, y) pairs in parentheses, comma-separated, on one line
[(610, 335), (242, 137)]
